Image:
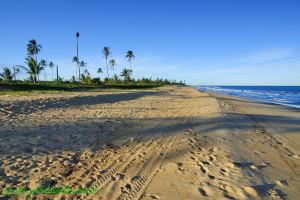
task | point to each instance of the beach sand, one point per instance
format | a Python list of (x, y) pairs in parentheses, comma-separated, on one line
[(166, 143)]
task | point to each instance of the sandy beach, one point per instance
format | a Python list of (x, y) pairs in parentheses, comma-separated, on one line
[(166, 143)]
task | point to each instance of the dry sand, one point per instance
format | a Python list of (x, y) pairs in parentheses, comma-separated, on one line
[(166, 143)]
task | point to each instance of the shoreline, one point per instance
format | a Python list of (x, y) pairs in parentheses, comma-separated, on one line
[(169, 143), (257, 101), (253, 99)]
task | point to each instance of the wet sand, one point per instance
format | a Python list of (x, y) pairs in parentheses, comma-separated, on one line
[(166, 143)]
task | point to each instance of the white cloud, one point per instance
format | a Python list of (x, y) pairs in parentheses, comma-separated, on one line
[(264, 56)]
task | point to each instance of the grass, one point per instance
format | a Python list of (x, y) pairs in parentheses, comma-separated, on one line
[(23, 88)]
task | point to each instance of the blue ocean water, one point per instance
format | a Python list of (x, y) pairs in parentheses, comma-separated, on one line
[(283, 95)]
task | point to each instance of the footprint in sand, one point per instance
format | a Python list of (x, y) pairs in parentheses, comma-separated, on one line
[(206, 191), (205, 162), (203, 168), (180, 167), (211, 176), (212, 158), (154, 196), (203, 192)]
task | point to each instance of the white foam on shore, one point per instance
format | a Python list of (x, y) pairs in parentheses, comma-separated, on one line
[(285, 98)]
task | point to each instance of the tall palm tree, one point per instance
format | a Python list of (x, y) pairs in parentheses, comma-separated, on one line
[(44, 65), (33, 48), (77, 36), (113, 64), (106, 52), (130, 56), (33, 68), (7, 74), (51, 66), (126, 73), (99, 71)]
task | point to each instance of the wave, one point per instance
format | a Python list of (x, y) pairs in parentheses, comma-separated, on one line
[(283, 95)]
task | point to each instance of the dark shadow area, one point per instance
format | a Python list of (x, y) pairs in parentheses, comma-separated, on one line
[(264, 190), (69, 87), (87, 134), (27, 107)]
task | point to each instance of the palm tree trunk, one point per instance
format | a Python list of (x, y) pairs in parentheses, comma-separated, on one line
[(107, 69), (78, 72), (78, 60), (15, 74), (56, 72)]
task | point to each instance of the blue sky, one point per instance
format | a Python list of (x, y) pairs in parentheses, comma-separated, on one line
[(225, 42)]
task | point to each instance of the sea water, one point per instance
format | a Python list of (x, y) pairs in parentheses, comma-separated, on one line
[(284, 95)]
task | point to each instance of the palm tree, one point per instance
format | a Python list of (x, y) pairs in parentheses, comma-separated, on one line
[(106, 53), (33, 68), (130, 56), (44, 65), (51, 66), (99, 71), (33, 48), (82, 64), (7, 74), (126, 73), (112, 64), (76, 60), (77, 56), (17, 71)]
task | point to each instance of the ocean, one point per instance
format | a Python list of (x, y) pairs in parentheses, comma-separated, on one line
[(283, 95)]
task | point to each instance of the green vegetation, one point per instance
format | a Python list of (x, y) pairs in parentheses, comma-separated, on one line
[(48, 190), (10, 81), (106, 52), (7, 74), (130, 57)]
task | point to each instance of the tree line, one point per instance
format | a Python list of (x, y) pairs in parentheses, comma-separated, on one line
[(35, 68)]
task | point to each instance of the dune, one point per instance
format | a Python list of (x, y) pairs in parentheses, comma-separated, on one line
[(166, 143)]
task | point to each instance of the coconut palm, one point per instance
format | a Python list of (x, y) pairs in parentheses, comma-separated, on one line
[(17, 71), (126, 73), (83, 64), (7, 74), (33, 48), (51, 66), (33, 68), (99, 71), (77, 56), (76, 60), (130, 56), (44, 65), (106, 52), (113, 64)]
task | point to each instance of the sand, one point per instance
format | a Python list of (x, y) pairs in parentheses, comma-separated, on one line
[(166, 143)]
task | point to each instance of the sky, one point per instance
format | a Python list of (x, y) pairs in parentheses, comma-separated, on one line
[(202, 42)]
